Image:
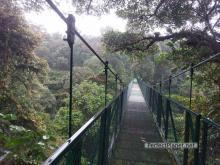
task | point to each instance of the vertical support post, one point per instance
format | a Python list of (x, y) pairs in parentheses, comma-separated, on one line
[(106, 81), (167, 119), (102, 144), (191, 85), (121, 106), (70, 39), (121, 86), (74, 155), (103, 127), (186, 138), (171, 112), (117, 115), (159, 109), (116, 85), (160, 87), (71, 93), (197, 136), (187, 119), (170, 81), (167, 110), (150, 98), (204, 142)]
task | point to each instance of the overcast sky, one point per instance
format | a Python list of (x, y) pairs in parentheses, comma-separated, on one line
[(87, 25)]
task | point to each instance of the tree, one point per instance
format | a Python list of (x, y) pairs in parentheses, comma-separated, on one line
[(19, 66), (57, 52), (89, 98), (196, 22), (22, 75)]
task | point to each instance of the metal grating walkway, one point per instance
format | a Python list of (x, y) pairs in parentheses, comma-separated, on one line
[(138, 128)]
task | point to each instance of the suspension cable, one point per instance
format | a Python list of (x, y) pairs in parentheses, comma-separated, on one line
[(193, 67), (60, 14)]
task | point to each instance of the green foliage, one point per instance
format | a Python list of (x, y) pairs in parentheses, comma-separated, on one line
[(161, 57), (94, 64), (181, 99), (57, 52), (192, 16), (129, 43), (61, 121), (82, 73), (89, 98), (34, 98), (17, 139)]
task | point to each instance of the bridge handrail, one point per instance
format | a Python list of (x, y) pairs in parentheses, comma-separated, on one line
[(121, 100), (189, 68), (173, 101), (169, 120)]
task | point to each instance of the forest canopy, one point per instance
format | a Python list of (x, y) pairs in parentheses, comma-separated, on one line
[(162, 38), (194, 21)]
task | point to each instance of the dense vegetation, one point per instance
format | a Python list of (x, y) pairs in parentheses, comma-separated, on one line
[(34, 68), (190, 35), (34, 86)]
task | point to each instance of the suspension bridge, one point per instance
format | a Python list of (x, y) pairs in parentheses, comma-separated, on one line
[(139, 114)]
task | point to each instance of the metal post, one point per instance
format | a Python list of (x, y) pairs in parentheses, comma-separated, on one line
[(167, 111), (187, 119), (159, 109), (160, 86), (191, 80), (103, 126), (204, 142), (122, 105), (186, 138), (170, 81), (106, 81), (116, 85), (197, 136), (102, 144), (167, 119), (70, 39), (171, 113)]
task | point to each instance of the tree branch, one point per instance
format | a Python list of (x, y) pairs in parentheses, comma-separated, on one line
[(189, 35), (88, 7)]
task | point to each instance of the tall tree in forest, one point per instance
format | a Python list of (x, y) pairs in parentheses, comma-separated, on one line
[(21, 75), (195, 21)]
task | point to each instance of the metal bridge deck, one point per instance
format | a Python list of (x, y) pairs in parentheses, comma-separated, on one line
[(138, 128)]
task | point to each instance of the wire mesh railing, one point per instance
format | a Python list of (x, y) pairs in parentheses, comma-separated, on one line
[(210, 142), (93, 143), (171, 117), (177, 123), (108, 71)]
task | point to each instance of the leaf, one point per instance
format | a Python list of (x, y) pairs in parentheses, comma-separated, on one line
[(10, 117), (41, 143), (16, 128), (2, 115), (46, 137)]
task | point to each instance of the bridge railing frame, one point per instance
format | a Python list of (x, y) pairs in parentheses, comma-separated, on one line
[(196, 127), (165, 112), (109, 119), (107, 125), (71, 33)]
